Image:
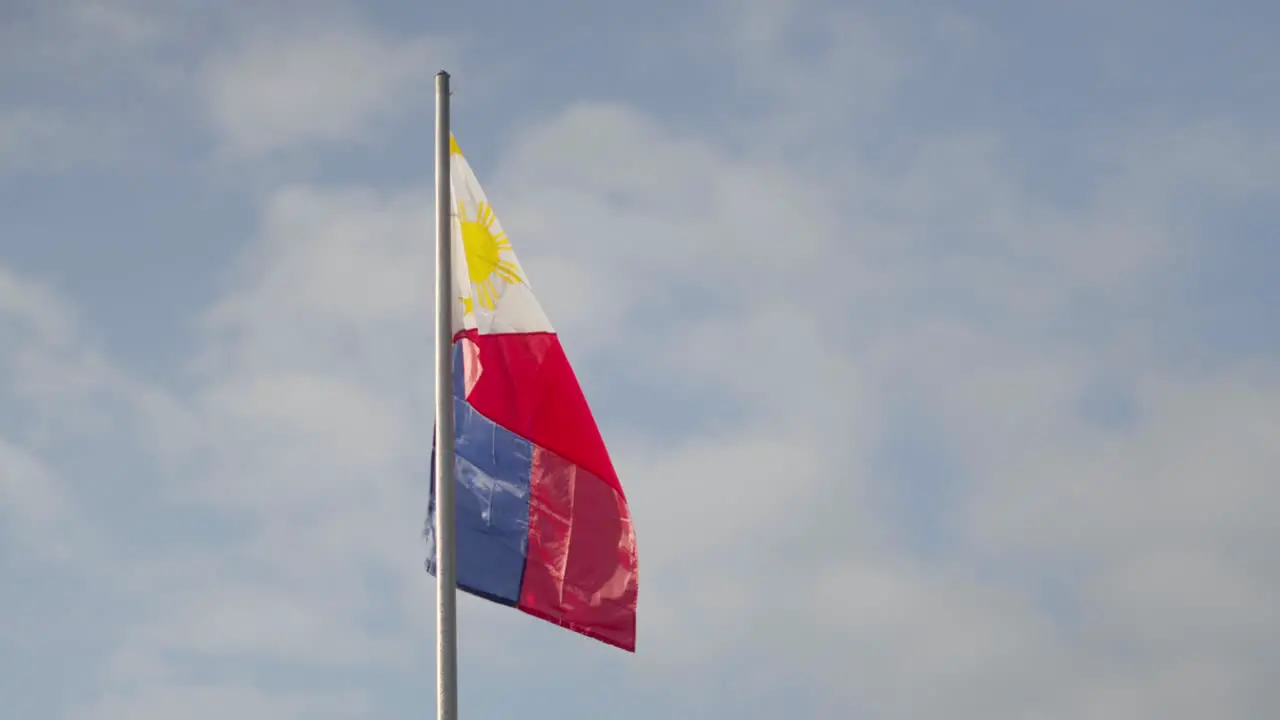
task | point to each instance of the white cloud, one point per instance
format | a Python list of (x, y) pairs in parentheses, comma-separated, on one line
[(46, 379), (34, 306), (1083, 571), (278, 90), (28, 492), (32, 321)]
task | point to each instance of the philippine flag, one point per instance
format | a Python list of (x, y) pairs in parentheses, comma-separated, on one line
[(542, 522)]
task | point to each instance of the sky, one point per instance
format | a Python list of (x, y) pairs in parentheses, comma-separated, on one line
[(934, 344)]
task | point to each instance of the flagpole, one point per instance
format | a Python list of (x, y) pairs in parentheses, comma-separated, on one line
[(446, 534)]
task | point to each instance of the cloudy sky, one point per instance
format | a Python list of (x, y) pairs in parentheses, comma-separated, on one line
[(934, 342)]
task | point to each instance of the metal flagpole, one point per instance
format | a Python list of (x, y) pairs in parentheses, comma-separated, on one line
[(446, 570)]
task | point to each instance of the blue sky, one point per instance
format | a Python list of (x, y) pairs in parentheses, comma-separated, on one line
[(932, 343)]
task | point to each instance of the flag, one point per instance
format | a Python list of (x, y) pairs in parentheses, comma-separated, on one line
[(542, 522)]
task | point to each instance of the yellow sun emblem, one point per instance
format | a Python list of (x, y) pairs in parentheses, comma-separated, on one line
[(484, 251)]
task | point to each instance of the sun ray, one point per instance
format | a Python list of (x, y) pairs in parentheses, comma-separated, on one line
[(508, 271)]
